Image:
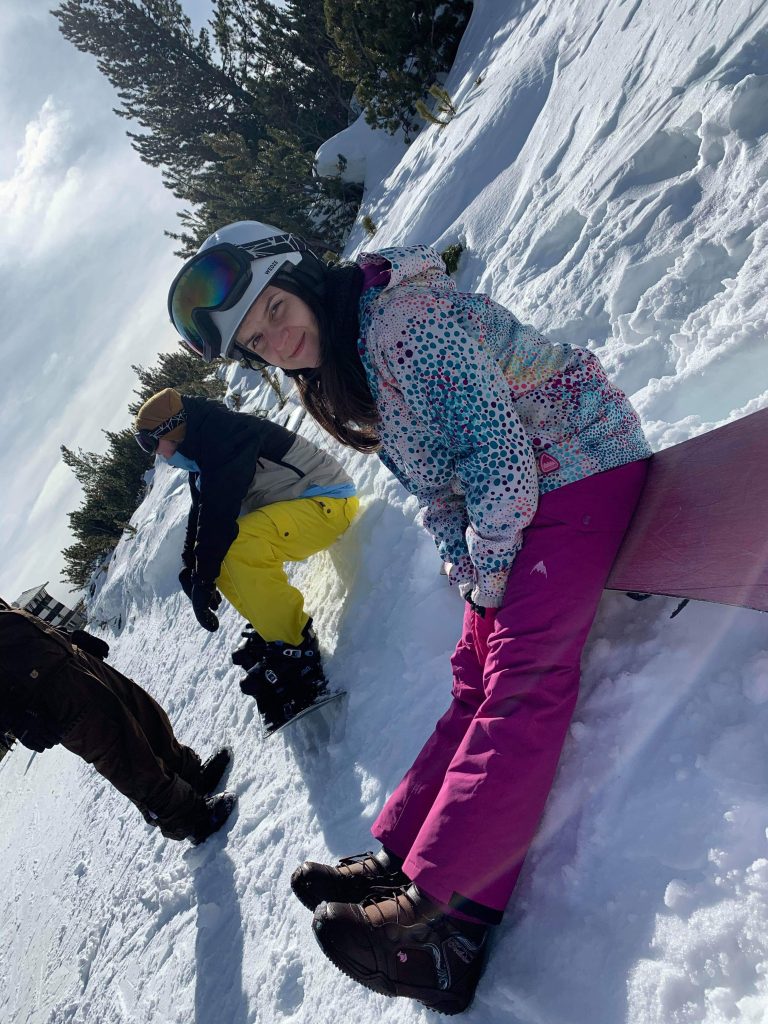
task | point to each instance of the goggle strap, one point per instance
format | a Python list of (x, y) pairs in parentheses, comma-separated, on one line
[(168, 425), (275, 245), (148, 440)]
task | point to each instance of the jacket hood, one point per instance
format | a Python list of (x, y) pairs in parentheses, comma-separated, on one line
[(414, 264)]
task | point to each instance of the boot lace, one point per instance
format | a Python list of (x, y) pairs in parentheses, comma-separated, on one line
[(361, 858), (385, 893)]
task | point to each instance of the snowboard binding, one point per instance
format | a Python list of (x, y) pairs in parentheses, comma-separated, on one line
[(286, 681)]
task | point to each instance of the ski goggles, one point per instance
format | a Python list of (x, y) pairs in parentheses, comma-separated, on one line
[(225, 279), (148, 440)]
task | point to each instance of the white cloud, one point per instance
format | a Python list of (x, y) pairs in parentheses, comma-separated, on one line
[(57, 487), (31, 197), (85, 267)]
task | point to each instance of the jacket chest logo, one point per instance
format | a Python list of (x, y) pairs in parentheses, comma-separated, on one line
[(547, 463)]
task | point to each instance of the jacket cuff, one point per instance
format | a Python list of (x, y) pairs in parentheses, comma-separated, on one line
[(488, 590), (460, 572)]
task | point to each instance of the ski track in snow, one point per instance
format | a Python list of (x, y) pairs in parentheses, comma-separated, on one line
[(606, 173)]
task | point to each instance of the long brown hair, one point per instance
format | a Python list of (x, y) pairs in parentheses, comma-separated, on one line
[(337, 394), (339, 398)]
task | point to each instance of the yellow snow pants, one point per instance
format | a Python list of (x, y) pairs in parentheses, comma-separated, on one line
[(252, 576)]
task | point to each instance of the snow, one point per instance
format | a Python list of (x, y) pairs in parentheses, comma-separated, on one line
[(606, 173), (357, 153)]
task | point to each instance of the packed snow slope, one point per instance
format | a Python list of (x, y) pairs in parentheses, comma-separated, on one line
[(606, 174)]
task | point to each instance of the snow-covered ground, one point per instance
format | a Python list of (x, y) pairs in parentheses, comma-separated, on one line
[(606, 172)]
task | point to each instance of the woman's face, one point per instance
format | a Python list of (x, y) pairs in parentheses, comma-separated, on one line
[(282, 330)]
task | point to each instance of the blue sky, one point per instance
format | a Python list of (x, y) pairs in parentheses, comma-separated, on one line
[(85, 268)]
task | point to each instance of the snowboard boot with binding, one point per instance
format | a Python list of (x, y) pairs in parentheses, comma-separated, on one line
[(251, 651), (349, 881), (402, 944), (287, 680)]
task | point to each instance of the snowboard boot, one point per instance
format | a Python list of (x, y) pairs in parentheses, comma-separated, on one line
[(217, 810), (251, 651), (212, 770), (403, 944), (287, 681), (350, 881)]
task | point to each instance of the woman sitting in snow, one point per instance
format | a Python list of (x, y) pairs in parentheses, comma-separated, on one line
[(261, 496), (528, 464)]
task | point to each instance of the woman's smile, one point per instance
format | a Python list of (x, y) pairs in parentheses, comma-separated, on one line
[(281, 329)]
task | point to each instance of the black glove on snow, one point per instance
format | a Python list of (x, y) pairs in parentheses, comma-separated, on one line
[(205, 599), (89, 643), (33, 731), (185, 579)]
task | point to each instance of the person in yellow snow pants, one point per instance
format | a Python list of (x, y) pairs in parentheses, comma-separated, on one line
[(262, 496), (253, 577)]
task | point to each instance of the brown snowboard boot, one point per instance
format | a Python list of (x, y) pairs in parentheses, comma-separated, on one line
[(403, 944), (350, 881)]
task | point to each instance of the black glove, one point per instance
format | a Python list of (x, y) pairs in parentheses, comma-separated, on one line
[(185, 579), (33, 731), (205, 599), (89, 643), (476, 608)]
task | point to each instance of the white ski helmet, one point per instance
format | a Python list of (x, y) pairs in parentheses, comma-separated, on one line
[(214, 290)]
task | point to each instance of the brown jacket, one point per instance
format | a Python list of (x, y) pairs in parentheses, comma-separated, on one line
[(52, 691), (30, 651)]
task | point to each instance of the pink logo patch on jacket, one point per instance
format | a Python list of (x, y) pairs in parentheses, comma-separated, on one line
[(547, 464)]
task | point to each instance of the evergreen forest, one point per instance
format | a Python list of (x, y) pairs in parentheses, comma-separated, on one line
[(232, 116)]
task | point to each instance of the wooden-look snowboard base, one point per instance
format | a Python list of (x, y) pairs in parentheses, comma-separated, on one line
[(700, 530)]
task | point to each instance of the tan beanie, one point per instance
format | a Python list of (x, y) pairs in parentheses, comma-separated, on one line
[(159, 409)]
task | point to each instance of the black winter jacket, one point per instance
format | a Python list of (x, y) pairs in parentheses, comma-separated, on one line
[(235, 451)]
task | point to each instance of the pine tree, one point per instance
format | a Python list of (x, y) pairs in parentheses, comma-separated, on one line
[(85, 465), (179, 369), (393, 50), (280, 188), (297, 89), (232, 117), (83, 558), (112, 484), (166, 78)]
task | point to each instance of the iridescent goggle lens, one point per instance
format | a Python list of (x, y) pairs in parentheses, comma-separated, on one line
[(208, 282)]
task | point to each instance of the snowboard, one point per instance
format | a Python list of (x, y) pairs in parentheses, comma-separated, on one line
[(700, 530), (328, 706)]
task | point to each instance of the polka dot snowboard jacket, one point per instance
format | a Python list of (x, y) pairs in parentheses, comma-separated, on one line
[(479, 413)]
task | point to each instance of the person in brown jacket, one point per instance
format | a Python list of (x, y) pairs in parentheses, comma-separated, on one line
[(52, 690)]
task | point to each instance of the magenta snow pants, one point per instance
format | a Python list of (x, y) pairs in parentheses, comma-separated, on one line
[(467, 810)]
